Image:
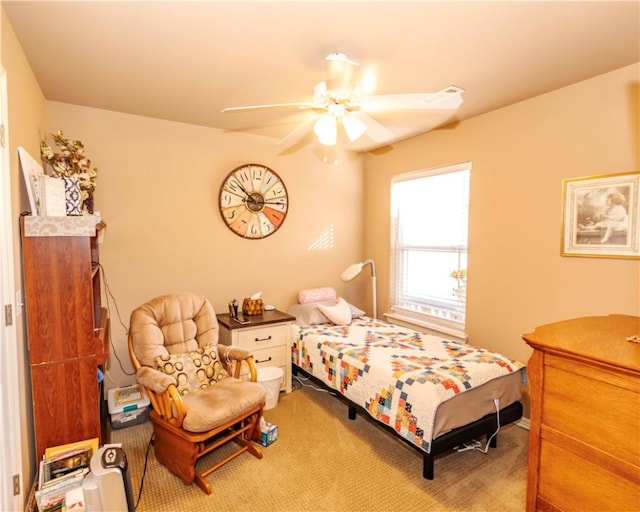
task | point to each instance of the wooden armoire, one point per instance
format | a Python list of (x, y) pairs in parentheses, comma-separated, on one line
[(67, 329)]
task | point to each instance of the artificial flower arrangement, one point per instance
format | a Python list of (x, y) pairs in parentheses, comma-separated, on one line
[(71, 162)]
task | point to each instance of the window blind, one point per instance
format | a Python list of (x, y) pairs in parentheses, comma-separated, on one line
[(430, 213)]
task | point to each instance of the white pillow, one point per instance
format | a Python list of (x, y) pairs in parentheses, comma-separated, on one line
[(309, 314), (340, 314)]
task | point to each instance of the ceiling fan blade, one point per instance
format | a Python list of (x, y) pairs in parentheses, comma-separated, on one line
[(375, 130), (449, 98), (298, 133), (301, 105)]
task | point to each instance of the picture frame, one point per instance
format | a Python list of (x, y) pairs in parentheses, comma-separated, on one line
[(32, 172), (600, 216)]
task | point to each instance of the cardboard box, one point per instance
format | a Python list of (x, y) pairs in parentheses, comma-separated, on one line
[(269, 435)]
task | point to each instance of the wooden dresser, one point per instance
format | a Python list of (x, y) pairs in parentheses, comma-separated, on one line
[(67, 329), (584, 442)]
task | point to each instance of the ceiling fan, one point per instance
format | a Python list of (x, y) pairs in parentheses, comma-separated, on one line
[(340, 100)]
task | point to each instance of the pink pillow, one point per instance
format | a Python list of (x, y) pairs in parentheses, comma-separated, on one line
[(316, 295), (340, 314)]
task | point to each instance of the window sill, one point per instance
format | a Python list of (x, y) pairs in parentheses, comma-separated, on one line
[(430, 326)]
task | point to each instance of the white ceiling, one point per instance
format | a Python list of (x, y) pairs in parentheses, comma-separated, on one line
[(186, 61)]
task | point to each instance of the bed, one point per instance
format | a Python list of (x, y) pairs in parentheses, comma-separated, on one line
[(434, 394)]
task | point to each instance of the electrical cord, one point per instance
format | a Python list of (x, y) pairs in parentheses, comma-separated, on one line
[(477, 445), (108, 295), (144, 471), (302, 384)]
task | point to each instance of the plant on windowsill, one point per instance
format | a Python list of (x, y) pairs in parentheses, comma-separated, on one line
[(460, 291), (71, 162)]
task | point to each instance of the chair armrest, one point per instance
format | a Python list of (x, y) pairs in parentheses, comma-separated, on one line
[(227, 353), (154, 380), (163, 394), (234, 357)]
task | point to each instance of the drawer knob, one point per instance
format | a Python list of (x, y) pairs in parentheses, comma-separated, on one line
[(258, 361), (268, 338)]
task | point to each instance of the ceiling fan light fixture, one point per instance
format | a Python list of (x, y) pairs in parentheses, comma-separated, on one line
[(354, 127), (326, 129)]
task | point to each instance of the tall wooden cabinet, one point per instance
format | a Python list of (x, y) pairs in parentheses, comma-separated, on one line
[(584, 442), (67, 329)]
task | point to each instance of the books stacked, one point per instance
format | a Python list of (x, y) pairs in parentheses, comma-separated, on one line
[(62, 471)]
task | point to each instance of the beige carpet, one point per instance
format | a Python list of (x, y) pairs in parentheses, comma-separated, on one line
[(324, 462)]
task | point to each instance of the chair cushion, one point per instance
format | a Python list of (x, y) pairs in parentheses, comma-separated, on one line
[(229, 399), (172, 324), (194, 370)]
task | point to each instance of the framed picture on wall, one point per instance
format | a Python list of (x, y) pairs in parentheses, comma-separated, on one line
[(600, 216)]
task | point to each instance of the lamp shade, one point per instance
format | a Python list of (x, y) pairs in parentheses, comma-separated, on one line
[(327, 130), (351, 271)]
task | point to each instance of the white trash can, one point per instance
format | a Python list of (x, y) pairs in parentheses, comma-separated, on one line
[(270, 379)]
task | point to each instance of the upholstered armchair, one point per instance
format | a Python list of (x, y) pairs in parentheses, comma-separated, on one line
[(198, 399)]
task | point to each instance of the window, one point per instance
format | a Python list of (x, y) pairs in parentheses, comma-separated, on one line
[(430, 214)]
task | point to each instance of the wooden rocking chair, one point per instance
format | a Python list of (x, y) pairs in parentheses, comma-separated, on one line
[(198, 400)]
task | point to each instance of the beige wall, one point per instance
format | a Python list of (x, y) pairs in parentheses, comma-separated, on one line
[(520, 155), (157, 191), (159, 181), (26, 119)]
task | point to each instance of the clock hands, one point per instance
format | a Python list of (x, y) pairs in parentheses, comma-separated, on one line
[(249, 197)]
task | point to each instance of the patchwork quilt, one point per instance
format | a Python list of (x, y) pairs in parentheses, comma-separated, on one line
[(398, 375)]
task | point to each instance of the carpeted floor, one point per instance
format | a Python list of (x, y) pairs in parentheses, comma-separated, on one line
[(324, 462)]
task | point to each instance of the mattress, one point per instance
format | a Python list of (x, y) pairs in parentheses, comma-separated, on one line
[(419, 385)]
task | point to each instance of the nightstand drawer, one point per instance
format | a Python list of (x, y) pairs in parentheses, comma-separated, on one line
[(269, 357), (262, 337)]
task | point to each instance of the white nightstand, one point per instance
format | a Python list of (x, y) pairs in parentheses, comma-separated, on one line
[(267, 337)]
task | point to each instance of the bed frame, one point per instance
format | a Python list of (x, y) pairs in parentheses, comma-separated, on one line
[(485, 426)]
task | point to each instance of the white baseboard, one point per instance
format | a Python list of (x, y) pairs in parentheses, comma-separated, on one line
[(523, 423)]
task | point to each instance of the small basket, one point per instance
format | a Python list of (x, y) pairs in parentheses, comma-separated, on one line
[(252, 307)]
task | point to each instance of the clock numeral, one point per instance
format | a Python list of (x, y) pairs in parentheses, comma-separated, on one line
[(231, 213), (265, 223), (253, 228), (232, 186), (228, 199), (257, 173), (244, 178)]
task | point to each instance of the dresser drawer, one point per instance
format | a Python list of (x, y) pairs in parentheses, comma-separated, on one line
[(573, 482), (599, 410), (262, 337)]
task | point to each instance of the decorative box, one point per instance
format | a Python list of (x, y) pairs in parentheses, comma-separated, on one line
[(252, 307)]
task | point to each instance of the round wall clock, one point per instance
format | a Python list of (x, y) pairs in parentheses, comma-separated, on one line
[(253, 201)]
